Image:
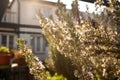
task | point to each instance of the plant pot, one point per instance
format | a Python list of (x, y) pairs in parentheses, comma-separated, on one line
[(5, 59)]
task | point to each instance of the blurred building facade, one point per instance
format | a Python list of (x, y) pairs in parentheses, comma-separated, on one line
[(20, 21)]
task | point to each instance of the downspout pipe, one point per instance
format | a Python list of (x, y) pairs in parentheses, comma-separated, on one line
[(18, 29)]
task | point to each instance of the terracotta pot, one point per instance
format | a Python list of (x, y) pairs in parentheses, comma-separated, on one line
[(4, 59)]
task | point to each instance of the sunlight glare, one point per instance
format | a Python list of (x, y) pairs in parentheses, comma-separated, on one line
[(82, 6), (10, 1)]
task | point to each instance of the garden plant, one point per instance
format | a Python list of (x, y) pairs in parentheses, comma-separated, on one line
[(92, 46)]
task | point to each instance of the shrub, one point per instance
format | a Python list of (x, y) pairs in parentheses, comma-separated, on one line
[(92, 49), (55, 77), (4, 49), (63, 65), (36, 66)]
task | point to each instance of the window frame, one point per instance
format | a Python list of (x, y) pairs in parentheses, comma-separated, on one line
[(35, 46), (7, 40)]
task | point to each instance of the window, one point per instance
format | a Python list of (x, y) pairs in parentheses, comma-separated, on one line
[(47, 12), (11, 42), (4, 18), (37, 43), (7, 40), (9, 16), (33, 43), (4, 40), (44, 43)]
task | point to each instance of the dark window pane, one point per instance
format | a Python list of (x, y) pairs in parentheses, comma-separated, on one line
[(11, 42), (44, 43), (4, 40), (33, 43), (38, 44)]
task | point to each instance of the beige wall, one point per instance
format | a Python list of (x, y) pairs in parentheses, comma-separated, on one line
[(28, 11)]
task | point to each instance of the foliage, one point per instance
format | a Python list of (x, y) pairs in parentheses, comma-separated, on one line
[(113, 10), (4, 49), (63, 65), (36, 66), (49, 65), (93, 49), (55, 77)]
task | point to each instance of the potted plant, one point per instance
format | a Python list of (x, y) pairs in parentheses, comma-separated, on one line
[(5, 56)]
